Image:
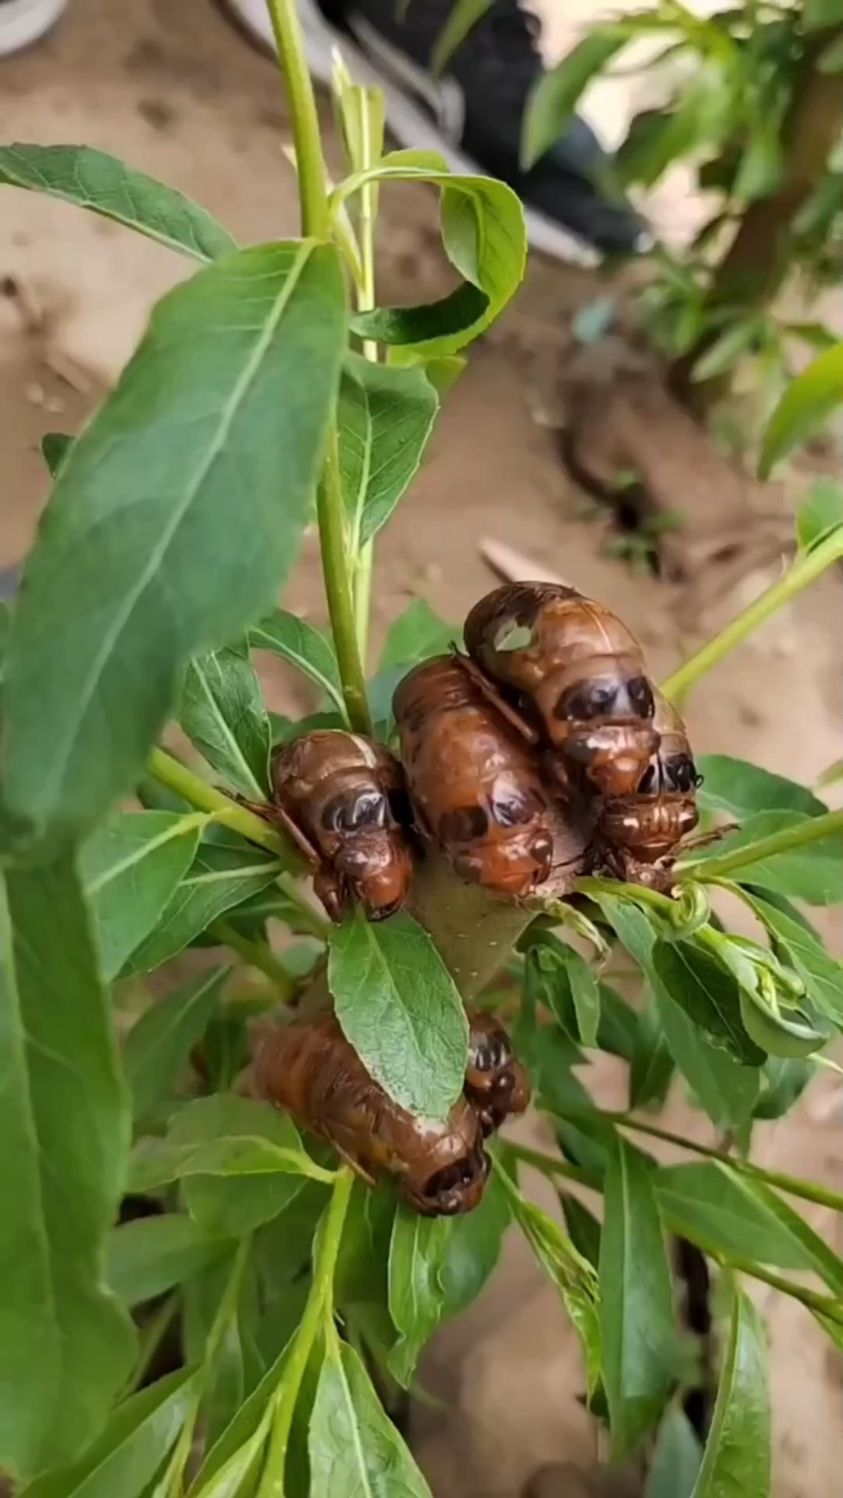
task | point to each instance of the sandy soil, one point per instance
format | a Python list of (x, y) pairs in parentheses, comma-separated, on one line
[(178, 93)]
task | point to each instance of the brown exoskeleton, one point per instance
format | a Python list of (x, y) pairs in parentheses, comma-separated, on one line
[(640, 834), (309, 1069), (343, 800), (577, 676), (475, 787), (496, 1083)]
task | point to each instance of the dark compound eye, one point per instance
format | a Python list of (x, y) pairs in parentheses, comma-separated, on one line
[(681, 773), (514, 810), (641, 696), (344, 814), (592, 699), (463, 824)]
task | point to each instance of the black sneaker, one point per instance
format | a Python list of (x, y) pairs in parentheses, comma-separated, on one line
[(473, 112)]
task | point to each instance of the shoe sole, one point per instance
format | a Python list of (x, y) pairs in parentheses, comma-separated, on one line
[(25, 21), (410, 124)]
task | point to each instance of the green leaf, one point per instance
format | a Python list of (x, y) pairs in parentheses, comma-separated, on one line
[(149, 1255), (554, 97), (484, 238), (675, 1462), (617, 1032), (304, 647), (725, 351), (416, 635), (740, 789), (385, 416), (571, 1273), (416, 1297), (225, 873), (651, 1069), (583, 1228), (637, 1321), (784, 1081), (803, 408), (54, 445), (400, 1009), (355, 1450), (65, 1344), (133, 1447), (736, 1460), (472, 1249), (821, 974), (701, 115), (130, 868), (92, 179), (232, 385), (725, 1088), (708, 994), (235, 1454), (819, 13), (462, 17), (160, 1042), (821, 513), (223, 714), (759, 173), (723, 1211), (812, 872)]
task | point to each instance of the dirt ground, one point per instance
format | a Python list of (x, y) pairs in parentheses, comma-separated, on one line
[(177, 92)]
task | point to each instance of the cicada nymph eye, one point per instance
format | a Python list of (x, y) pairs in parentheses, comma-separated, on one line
[(344, 800)]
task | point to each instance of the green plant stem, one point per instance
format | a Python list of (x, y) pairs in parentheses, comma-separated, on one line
[(828, 1305), (549, 1165), (177, 777), (151, 1337), (806, 568), (364, 559), (328, 1241), (330, 511), (809, 831), (662, 904), (310, 161), (809, 1191), (257, 954)]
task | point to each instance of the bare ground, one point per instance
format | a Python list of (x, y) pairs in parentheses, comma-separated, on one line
[(177, 92)]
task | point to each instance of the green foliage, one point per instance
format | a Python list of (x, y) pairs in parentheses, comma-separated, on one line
[(296, 1298)]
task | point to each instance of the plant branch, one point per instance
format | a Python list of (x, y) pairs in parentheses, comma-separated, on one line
[(806, 568), (310, 161), (329, 1236), (177, 777), (330, 511), (549, 1165), (257, 954), (810, 831), (829, 1305)]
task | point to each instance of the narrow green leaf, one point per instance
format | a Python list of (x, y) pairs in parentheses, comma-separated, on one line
[(473, 1249), (225, 872), (804, 407), (570, 990), (555, 95), (160, 1042), (784, 1080), (739, 789), (675, 1463), (304, 647), (723, 1211), (416, 635), (232, 385), (385, 416), (725, 1088), (821, 974), (736, 1460), (355, 1450), (812, 872), (92, 179), (571, 1273), (725, 351), (400, 1008), (484, 238), (235, 1455), (637, 1321), (130, 868), (65, 1344), (821, 513), (760, 170), (223, 714), (134, 1445), (54, 445), (462, 18), (241, 1162), (708, 994), (149, 1255), (416, 1297), (651, 1069), (583, 1227)]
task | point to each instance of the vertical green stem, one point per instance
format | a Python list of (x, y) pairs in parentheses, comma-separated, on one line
[(328, 1241), (315, 220), (365, 301)]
